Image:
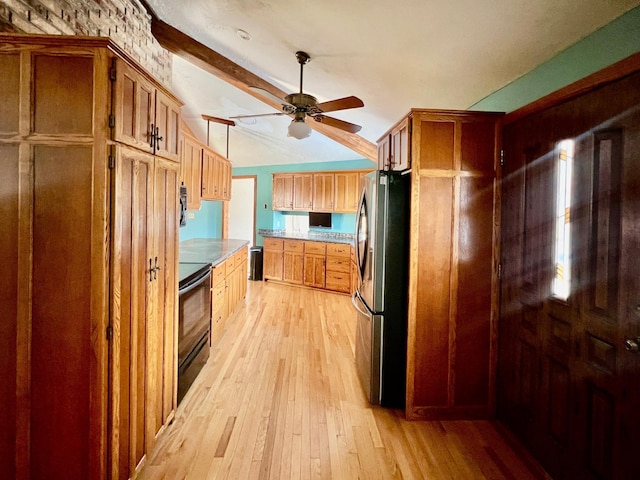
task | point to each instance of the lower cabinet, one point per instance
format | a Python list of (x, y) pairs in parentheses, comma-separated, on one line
[(272, 258), (314, 264), (228, 288), (338, 275), (292, 261)]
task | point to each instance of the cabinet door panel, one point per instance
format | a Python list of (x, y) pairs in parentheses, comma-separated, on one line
[(11, 212), (62, 106), (302, 191), (282, 192), (167, 116), (191, 171), (10, 94), (314, 270), (131, 286), (162, 333), (62, 310), (134, 108), (323, 185), (292, 269), (346, 192), (273, 264)]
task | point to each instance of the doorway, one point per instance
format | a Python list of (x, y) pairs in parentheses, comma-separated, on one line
[(242, 209)]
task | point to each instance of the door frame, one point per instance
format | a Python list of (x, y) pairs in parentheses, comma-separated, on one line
[(225, 207)]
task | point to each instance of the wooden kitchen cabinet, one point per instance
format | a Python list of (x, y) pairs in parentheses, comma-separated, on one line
[(282, 194), (394, 148), (318, 192), (292, 261), (314, 264), (346, 192), (323, 192), (338, 267), (91, 213), (272, 258), (453, 268), (216, 176), (144, 116), (228, 288), (191, 170), (323, 265), (302, 188)]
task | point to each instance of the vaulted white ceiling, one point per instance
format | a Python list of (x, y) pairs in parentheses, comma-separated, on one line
[(394, 55)]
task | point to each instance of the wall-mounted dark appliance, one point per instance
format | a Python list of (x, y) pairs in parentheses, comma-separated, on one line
[(183, 205), (320, 219), (194, 322)]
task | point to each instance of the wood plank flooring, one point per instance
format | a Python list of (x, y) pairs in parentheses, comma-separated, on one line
[(279, 399)]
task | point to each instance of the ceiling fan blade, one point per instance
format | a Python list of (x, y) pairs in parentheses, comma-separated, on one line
[(258, 115), (334, 122), (340, 104)]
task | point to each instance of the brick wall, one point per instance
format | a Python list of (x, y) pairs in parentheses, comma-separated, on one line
[(126, 22)]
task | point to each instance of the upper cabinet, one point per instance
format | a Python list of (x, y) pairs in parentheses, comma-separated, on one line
[(282, 192), (205, 173), (323, 189), (393, 148), (216, 176), (318, 191), (191, 170), (346, 191), (302, 185), (145, 117)]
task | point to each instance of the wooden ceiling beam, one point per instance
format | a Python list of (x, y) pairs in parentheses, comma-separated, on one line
[(211, 61)]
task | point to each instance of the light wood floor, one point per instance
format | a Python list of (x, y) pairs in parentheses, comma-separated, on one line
[(280, 399)]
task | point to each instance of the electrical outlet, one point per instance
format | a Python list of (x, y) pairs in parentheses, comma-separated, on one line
[(265, 206), (191, 215)]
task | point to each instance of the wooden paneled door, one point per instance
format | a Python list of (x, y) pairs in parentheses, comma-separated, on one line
[(132, 197), (162, 327), (571, 290)]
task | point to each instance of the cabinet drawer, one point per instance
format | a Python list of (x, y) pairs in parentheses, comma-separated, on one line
[(338, 249), (218, 296), (231, 264), (338, 281), (316, 248), (218, 273), (338, 264), (240, 257), (293, 246), (273, 243)]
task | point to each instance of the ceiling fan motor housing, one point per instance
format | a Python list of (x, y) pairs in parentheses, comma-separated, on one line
[(301, 100)]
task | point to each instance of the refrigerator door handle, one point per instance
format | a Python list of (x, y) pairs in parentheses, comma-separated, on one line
[(360, 258), (358, 303)]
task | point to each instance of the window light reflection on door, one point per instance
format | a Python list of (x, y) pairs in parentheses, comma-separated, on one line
[(561, 286)]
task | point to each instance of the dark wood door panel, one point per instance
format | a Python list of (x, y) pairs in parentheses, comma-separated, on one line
[(567, 386)]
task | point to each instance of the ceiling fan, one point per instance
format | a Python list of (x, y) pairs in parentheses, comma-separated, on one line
[(302, 105)]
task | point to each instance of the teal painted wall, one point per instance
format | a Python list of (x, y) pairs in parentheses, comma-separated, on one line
[(611, 43), (206, 222), (268, 219)]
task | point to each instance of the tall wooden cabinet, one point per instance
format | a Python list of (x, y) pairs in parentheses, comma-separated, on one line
[(89, 259), (453, 284)]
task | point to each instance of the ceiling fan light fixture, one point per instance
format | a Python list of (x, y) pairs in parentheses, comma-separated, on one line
[(299, 129)]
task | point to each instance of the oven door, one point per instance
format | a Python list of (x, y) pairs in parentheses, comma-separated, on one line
[(194, 313)]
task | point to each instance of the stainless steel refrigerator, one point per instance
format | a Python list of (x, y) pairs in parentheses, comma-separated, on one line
[(382, 237)]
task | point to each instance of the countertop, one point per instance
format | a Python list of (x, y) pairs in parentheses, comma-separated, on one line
[(330, 237), (209, 250)]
